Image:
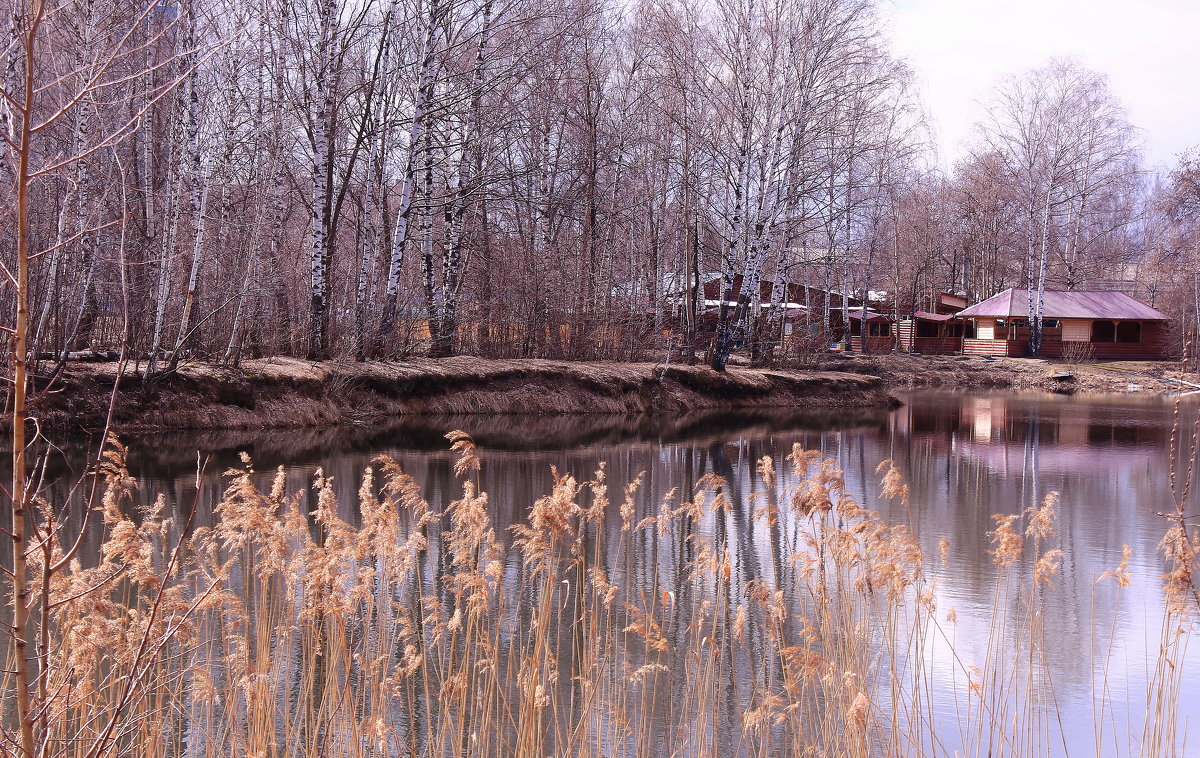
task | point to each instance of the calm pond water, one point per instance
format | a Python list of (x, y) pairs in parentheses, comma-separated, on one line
[(966, 456)]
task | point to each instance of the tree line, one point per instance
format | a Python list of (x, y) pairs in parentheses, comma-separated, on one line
[(376, 178)]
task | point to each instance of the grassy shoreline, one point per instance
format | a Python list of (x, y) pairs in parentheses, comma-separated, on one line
[(906, 370), (285, 392)]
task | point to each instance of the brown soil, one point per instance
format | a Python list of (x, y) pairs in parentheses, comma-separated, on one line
[(907, 370), (282, 392)]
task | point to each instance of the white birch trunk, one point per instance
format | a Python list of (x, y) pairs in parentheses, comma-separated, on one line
[(432, 306), (726, 321), (166, 266), (416, 141), (9, 79), (369, 247), (197, 198), (452, 262), (322, 180), (199, 204)]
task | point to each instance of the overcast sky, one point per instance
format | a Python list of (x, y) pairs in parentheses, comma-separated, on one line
[(1150, 50)]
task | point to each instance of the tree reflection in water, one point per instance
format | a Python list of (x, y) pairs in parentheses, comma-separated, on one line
[(965, 457)]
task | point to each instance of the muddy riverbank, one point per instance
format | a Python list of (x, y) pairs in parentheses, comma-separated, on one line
[(285, 392)]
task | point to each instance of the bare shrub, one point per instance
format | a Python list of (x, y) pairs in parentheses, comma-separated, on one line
[(1078, 352)]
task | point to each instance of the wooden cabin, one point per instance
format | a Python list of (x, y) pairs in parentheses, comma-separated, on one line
[(1076, 325), (877, 329), (938, 333), (949, 303), (803, 309), (796, 297), (933, 333)]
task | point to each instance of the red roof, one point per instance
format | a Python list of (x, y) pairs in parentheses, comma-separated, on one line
[(1014, 303)]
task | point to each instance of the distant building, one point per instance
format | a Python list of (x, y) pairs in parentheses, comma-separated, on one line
[(937, 333), (1081, 323), (875, 328)]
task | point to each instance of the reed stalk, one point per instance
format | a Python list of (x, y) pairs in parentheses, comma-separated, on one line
[(590, 630)]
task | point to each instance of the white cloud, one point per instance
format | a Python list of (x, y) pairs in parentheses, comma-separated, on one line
[(961, 48)]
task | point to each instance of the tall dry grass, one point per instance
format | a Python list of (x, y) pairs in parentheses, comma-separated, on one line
[(587, 631)]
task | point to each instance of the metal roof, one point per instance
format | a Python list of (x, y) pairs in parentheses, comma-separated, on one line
[(927, 316), (857, 315), (1014, 303)]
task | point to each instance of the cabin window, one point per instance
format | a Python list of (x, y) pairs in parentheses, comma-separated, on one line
[(855, 328), (927, 328), (879, 329), (1129, 331), (1104, 331), (1012, 329)]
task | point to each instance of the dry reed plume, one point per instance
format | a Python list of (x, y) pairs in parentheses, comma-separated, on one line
[(421, 633)]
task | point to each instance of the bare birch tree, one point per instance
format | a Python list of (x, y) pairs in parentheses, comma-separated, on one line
[(1063, 139)]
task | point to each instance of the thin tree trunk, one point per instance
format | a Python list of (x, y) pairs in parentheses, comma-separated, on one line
[(727, 320), (367, 256), (197, 197), (166, 267), (20, 491), (452, 262), (416, 141), (324, 120)]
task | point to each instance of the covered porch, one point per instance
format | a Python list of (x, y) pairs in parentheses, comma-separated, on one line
[(870, 332), (934, 333), (1077, 339)]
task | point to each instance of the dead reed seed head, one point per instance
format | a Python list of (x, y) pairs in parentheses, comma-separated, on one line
[(803, 460), (1047, 566), (645, 625), (975, 680), (706, 562), (1180, 586), (627, 509), (1041, 519), (927, 600), (711, 483), (648, 670), (766, 470), (599, 489), (603, 589), (859, 712), (464, 445), (1006, 540), (893, 486), (665, 517), (1121, 572), (403, 491)]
